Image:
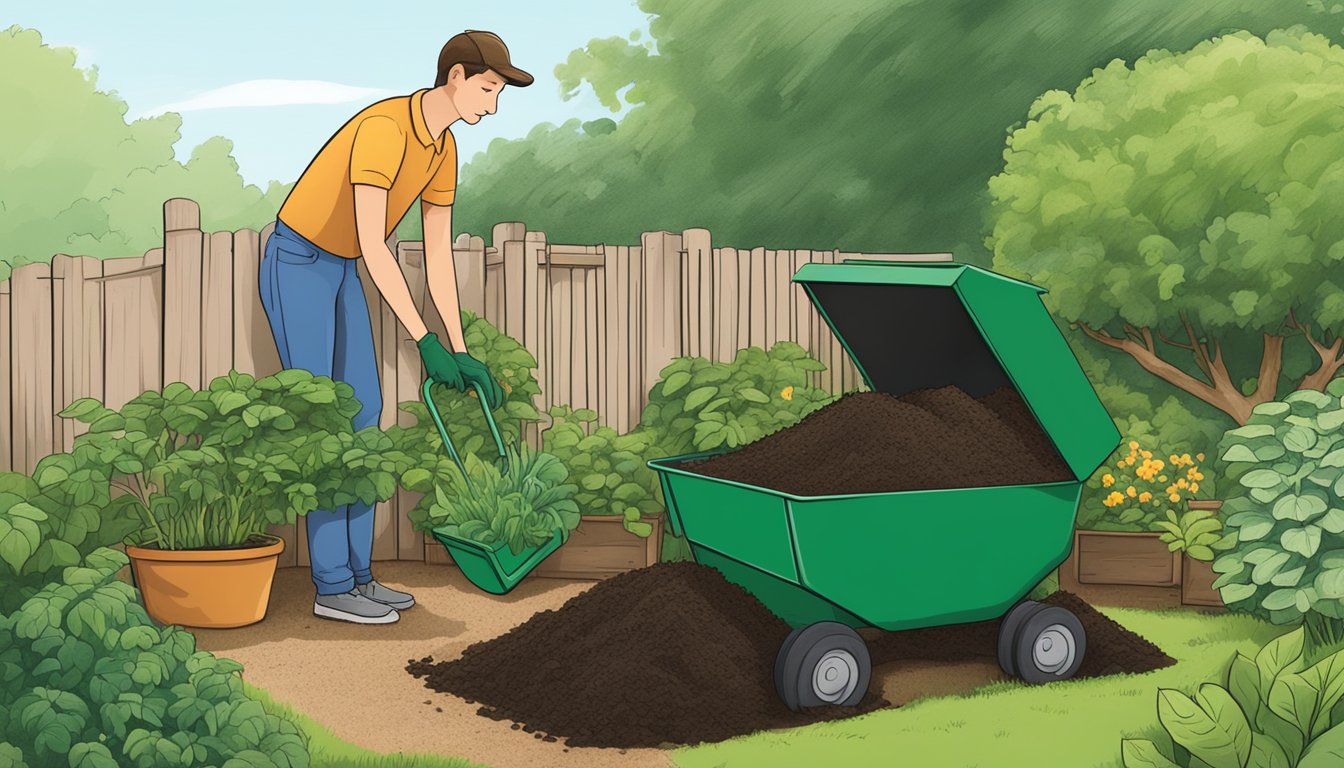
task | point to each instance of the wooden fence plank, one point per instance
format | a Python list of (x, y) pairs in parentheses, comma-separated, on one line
[(562, 296), (745, 286), (184, 246), (78, 309), (217, 305), (6, 408), (535, 290), (578, 347), (781, 294), (617, 312), (698, 246), (469, 265), (725, 303), (31, 373), (662, 306), (755, 297), (132, 326), (638, 334), (768, 295), (592, 330)]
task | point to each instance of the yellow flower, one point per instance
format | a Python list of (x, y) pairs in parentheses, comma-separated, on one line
[(1144, 497), (1194, 487), (508, 390), (1174, 497), (1174, 458), (1147, 454), (1134, 444), (1131, 492), (787, 392), (1115, 498), (1199, 456), (1107, 480), (1162, 479)]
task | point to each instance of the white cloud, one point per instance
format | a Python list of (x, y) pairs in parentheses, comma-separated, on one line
[(272, 93)]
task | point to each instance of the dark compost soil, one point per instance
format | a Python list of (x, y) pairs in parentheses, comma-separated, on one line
[(872, 442), (675, 654)]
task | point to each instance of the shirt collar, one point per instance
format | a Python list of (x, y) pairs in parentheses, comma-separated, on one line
[(418, 122)]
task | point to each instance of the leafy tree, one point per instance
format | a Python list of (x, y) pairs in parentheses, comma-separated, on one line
[(868, 125), (79, 179), (1185, 202)]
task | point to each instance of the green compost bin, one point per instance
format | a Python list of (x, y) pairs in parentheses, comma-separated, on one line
[(924, 558)]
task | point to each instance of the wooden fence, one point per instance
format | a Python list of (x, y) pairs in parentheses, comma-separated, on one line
[(602, 321)]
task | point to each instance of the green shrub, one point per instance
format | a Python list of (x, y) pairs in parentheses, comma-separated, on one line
[(1285, 502), (1142, 487), (521, 505), (1198, 533), (698, 405), (1274, 710), (610, 470), (88, 679), (212, 468)]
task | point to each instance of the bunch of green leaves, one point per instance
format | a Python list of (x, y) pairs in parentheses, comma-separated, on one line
[(610, 470), (52, 520), (1284, 500), (88, 679), (698, 405), (1198, 533), (211, 468), (1276, 711), (521, 506), (510, 363)]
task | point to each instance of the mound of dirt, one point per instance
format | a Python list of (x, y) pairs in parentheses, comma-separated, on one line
[(675, 654), (872, 442)]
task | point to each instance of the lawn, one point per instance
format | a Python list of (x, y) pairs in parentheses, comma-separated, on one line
[(1077, 723)]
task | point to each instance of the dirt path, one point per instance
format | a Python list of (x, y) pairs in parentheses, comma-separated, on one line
[(352, 678)]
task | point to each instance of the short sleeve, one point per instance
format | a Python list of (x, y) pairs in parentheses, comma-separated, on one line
[(375, 155), (443, 186)]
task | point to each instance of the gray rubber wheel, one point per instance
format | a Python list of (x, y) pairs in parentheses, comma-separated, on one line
[(1008, 626), (1050, 645), (826, 663)]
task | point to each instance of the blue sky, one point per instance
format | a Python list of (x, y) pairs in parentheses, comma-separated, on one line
[(187, 56)]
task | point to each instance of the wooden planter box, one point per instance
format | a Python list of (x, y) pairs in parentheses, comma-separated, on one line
[(1197, 576), (598, 549), (1112, 557)]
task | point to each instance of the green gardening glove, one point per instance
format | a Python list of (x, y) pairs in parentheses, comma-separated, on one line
[(476, 372), (439, 363)]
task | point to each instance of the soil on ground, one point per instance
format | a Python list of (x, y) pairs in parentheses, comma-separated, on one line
[(675, 654), (873, 442)]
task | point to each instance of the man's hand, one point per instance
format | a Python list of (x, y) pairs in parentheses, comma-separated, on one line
[(441, 366), (476, 372)]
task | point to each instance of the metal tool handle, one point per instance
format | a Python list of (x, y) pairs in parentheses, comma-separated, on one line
[(443, 433)]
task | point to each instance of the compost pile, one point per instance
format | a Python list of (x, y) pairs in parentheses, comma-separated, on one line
[(872, 442), (675, 654)]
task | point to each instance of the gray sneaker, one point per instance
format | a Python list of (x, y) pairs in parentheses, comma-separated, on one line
[(354, 607), (385, 595)]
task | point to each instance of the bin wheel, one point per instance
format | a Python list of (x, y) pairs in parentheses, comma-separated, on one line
[(1050, 645), (1008, 627), (826, 663)]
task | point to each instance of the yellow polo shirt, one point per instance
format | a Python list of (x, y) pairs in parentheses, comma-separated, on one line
[(387, 145)]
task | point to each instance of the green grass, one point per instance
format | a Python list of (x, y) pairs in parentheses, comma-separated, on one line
[(328, 751), (1073, 724)]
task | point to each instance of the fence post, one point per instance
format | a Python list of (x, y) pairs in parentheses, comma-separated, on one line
[(183, 254), (6, 421), (661, 321), (77, 336), (31, 365)]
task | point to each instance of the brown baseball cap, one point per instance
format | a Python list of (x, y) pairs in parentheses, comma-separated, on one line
[(483, 48)]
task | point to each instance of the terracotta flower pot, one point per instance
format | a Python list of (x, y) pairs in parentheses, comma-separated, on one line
[(210, 588)]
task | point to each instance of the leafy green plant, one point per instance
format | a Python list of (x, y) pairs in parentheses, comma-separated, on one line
[(698, 405), (88, 679), (212, 468), (520, 506), (1275, 710), (1285, 503), (610, 470), (1198, 533)]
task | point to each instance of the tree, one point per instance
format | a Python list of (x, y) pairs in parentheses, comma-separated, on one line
[(1184, 201), (79, 179), (867, 125)]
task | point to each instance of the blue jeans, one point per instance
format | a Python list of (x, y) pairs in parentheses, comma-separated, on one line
[(315, 304)]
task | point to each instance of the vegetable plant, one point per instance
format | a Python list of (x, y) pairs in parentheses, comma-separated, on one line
[(1285, 503), (215, 467), (698, 405), (1198, 533), (1275, 710), (520, 506), (1140, 489), (609, 469), (88, 679)]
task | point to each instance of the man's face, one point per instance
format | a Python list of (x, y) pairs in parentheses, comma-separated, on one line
[(478, 96)]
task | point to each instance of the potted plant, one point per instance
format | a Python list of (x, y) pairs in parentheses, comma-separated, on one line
[(1119, 535), (206, 473), (622, 526)]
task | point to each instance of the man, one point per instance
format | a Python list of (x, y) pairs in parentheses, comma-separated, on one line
[(343, 207)]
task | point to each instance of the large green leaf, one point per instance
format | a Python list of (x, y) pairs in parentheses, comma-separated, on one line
[(1326, 751), (1304, 541), (1142, 753), (1217, 743), (1280, 655), (1261, 478)]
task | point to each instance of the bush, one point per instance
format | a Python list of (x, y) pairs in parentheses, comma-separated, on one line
[(1139, 490), (88, 679), (1285, 502), (698, 405), (610, 470), (212, 468), (1274, 711)]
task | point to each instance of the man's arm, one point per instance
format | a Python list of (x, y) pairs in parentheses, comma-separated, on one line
[(440, 272), (370, 215)]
